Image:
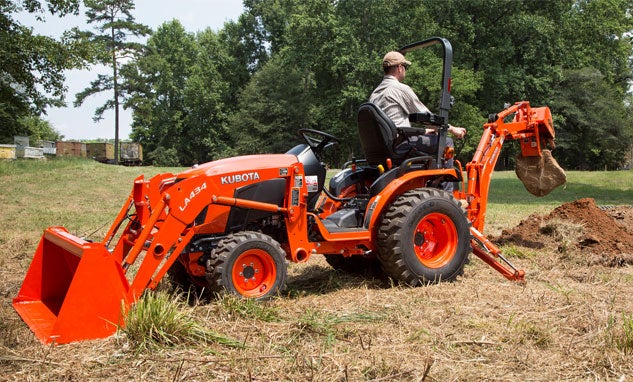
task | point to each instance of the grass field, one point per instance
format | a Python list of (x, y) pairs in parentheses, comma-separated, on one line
[(570, 321)]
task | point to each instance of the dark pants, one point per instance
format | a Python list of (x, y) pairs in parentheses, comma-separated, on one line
[(428, 144)]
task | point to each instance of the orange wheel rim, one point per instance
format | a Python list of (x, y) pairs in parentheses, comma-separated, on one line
[(435, 240), (254, 273)]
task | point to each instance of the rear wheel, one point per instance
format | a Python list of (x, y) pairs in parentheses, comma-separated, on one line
[(424, 237), (248, 264)]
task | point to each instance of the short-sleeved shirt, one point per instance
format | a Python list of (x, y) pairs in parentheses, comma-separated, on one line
[(397, 100)]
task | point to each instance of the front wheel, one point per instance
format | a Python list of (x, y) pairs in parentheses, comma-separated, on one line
[(248, 264), (424, 237)]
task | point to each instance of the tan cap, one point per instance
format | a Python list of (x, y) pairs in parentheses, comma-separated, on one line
[(394, 58)]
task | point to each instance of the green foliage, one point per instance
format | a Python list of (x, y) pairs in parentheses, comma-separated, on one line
[(207, 95), (179, 96), (620, 334), (114, 24), (271, 111), (157, 81), (38, 129), (163, 157), (597, 35), (327, 325), (32, 65), (288, 64), (594, 128), (246, 308)]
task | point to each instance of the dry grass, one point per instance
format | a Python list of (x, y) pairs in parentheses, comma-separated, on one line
[(569, 321), (565, 323)]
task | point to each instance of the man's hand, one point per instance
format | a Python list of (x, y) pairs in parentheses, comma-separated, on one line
[(457, 132)]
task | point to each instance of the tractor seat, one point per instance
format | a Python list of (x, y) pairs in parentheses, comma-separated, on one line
[(380, 137)]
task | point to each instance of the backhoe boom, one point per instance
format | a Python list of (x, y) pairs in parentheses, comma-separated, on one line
[(534, 129)]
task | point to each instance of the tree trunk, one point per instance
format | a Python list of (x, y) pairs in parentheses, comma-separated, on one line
[(116, 99)]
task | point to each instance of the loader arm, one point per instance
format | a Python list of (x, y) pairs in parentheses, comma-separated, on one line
[(533, 127), (170, 225)]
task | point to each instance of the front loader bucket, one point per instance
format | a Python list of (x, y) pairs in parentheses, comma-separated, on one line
[(74, 290)]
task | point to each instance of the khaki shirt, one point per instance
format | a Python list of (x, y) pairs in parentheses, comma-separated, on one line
[(397, 100)]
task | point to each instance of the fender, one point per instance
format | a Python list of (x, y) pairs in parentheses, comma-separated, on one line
[(406, 182)]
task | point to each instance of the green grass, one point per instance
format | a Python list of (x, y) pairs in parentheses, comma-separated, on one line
[(509, 202), (606, 187), (329, 326), (67, 187), (620, 334), (160, 320), (233, 306)]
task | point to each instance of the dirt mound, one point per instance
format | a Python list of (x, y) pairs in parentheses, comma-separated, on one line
[(602, 235)]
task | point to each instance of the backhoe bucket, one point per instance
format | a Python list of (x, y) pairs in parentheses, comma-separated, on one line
[(74, 290)]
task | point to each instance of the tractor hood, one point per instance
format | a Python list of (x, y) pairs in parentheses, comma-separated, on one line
[(244, 167)]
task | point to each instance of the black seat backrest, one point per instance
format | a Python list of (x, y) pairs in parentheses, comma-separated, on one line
[(378, 134)]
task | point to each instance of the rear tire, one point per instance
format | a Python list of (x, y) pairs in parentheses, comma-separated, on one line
[(247, 264), (424, 238)]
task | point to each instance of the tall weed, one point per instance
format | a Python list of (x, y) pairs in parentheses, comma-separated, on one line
[(161, 320)]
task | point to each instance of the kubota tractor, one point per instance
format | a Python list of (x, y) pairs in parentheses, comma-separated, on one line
[(233, 224)]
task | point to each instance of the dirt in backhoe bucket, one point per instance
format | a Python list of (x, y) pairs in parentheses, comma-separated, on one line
[(600, 234)]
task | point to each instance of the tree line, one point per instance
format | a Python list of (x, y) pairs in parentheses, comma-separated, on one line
[(290, 64)]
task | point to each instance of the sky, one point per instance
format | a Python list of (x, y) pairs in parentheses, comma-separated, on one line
[(76, 123)]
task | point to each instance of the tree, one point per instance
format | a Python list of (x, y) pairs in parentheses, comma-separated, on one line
[(38, 129), (597, 34), (181, 95), (287, 64), (593, 125), (271, 111), (115, 24), (32, 66), (207, 96), (157, 82), (523, 50)]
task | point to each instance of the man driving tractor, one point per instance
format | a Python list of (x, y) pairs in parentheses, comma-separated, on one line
[(398, 100)]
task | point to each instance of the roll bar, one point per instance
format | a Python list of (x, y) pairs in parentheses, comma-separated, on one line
[(445, 92)]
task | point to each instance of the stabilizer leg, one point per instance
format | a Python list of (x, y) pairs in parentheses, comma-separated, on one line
[(489, 253)]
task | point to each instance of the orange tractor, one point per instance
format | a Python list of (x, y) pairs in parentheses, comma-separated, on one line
[(233, 224)]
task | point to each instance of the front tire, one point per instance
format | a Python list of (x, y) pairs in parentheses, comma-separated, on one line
[(424, 237), (248, 264)]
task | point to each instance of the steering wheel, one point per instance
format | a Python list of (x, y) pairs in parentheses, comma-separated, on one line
[(318, 140)]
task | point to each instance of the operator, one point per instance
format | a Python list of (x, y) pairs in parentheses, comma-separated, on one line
[(397, 101)]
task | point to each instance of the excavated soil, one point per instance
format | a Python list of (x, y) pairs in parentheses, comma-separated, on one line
[(600, 234)]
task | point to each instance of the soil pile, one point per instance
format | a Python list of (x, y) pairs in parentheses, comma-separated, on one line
[(602, 235)]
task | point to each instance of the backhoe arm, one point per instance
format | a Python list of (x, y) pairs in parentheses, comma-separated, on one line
[(531, 126), (534, 129)]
